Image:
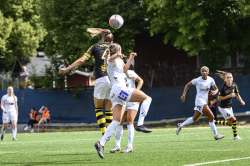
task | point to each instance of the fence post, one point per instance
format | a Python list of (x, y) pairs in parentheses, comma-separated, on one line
[(152, 78), (2, 79), (17, 81)]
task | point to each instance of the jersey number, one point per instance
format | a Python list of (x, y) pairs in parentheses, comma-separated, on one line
[(103, 57)]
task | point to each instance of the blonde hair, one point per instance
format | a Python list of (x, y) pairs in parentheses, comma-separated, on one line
[(12, 93), (112, 49), (222, 74), (204, 67), (107, 37)]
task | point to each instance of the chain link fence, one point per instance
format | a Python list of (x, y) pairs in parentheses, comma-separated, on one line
[(11, 79)]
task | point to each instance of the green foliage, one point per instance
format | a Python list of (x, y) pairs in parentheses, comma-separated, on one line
[(67, 22), (20, 31), (219, 27)]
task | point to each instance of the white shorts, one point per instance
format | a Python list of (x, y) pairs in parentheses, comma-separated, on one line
[(132, 106), (120, 95), (227, 113), (102, 88), (199, 108), (9, 116)]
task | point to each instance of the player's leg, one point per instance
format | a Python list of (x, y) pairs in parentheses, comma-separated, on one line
[(233, 122), (108, 111), (210, 116), (4, 128), (14, 129), (131, 131), (29, 124), (99, 114), (118, 135), (118, 111), (189, 121), (226, 114), (139, 96)]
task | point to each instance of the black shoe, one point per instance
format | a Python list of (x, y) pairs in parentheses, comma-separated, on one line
[(99, 149), (2, 137), (143, 129)]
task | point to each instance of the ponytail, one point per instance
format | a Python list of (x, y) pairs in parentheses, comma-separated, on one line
[(222, 74), (107, 37), (112, 49), (106, 59)]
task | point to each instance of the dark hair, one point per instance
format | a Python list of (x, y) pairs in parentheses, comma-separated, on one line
[(33, 108)]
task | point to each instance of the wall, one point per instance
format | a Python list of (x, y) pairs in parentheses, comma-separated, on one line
[(166, 102)]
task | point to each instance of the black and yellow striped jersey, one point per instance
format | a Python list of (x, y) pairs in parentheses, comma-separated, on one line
[(224, 91), (99, 51)]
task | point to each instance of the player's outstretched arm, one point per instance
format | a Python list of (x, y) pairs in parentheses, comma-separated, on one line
[(185, 91), (73, 65), (127, 65), (240, 99)]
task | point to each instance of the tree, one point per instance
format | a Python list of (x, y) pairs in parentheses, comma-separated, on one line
[(218, 28), (66, 22), (20, 31)]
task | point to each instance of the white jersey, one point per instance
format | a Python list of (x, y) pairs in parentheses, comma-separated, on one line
[(130, 82), (202, 88), (9, 103), (116, 74)]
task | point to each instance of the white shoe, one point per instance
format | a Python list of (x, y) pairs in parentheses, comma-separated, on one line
[(26, 128), (219, 137), (32, 130), (237, 138), (178, 128), (14, 139), (127, 150), (115, 149)]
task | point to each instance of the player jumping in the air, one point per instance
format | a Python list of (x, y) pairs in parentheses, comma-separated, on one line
[(102, 82)]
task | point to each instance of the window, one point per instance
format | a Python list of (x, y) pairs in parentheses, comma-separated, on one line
[(240, 59)]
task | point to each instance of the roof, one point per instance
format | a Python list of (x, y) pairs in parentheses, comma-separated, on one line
[(33, 65)]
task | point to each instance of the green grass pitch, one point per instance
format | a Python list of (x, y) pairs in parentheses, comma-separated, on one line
[(161, 147)]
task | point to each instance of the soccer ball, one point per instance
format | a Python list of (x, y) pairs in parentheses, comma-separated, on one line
[(116, 21)]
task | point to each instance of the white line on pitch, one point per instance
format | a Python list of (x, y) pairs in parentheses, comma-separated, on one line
[(219, 161), (99, 138)]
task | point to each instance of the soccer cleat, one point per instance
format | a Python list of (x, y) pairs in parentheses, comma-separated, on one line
[(36, 126), (32, 130), (99, 149), (14, 139), (219, 137), (26, 128), (178, 128), (43, 130), (237, 138), (115, 149), (143, 129), (2, 137), (127, 150)]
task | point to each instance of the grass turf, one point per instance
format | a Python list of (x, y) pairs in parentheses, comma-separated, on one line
[(161, 147)]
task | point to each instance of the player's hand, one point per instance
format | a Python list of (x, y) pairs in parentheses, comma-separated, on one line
[(63, 70), (242, 102), (5, 111), (213, 92), (182, 98), (42, 106), (132, 55), (232, 95)]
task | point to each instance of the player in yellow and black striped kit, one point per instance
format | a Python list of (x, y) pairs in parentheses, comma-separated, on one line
[(228, 90), (102, 82)]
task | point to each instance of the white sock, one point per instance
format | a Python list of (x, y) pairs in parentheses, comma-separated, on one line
[(187, 122), (109, 132), (131, 133), (213, 128), (2, 132), (14, 133), (144, 110), (118, 135)]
